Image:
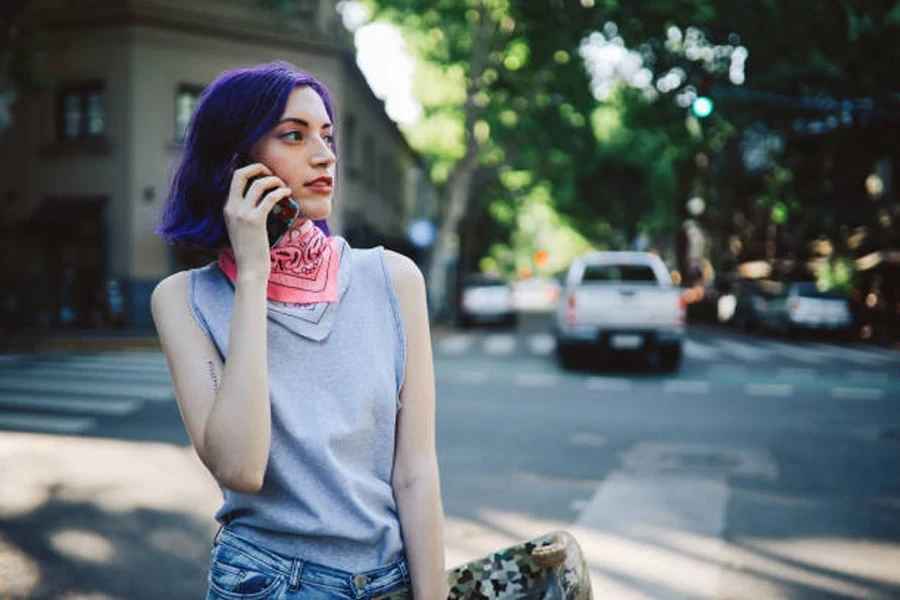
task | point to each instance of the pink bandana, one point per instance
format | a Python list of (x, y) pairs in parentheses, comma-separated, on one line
[(304, 266)]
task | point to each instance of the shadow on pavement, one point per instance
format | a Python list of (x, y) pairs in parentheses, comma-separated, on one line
[(74, 549)]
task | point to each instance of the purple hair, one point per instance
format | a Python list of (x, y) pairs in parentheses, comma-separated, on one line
[(233, 112)]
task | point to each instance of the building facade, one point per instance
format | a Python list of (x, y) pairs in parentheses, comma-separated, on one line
[(84, 168)]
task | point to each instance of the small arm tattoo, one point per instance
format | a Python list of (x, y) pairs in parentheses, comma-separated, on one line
[(212, 375)]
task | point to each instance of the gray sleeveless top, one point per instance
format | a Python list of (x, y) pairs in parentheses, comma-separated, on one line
[(335, 371)]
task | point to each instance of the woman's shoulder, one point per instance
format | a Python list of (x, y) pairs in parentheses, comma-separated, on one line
[(172, 287), (402, 269)]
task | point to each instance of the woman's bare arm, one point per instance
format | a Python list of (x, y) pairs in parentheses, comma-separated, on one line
[(225, 407), (416, 481)]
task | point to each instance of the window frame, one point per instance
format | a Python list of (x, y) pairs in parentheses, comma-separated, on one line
[(83, 91), (184, 88)]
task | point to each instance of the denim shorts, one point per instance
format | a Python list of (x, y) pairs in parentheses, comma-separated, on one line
[(241, 570)]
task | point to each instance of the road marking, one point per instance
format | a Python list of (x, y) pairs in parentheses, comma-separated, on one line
[(100, 367), (98, 375), (743, 351), (70, 404), (607, 384), (855, 355), (158, 393), (455, 344), (500, 344), (536, 379), (541, 344), (686, 387), (48, 423), (798, 352), (472, 377), (771, 390), (844, 393), (796, 373), (728, 369), (871, 376), (653, 497), (699, 351)]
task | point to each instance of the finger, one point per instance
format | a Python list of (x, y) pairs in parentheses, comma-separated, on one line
[(271, 199), (260, 187), (240, 177)]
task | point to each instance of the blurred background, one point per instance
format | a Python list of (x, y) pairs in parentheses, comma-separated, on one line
[(706, 187)]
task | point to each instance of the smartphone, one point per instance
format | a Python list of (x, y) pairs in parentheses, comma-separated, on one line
[(280, 218)]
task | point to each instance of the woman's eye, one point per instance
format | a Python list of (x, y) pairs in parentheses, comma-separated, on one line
[(328, 138), (297, 135)]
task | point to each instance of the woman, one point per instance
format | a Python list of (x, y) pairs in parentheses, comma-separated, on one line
[(303, 372)]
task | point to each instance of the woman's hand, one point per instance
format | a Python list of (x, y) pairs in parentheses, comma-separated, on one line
[(245, 218)]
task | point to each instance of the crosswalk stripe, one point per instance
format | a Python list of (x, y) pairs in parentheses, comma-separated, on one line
[(743, 351), (541, 344), (117, 375), (796, 373), (46, 423), (158, 393), (79, 362), (772, 390), (869, 376), (844, 393), (797, 352), (699, 351), (107, 407), (473, 377), (536, 379), (500, 344), (678, 386), (455, 344), (858, 356), (608, 384)]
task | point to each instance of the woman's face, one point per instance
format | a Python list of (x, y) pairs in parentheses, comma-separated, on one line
[(298, 150)]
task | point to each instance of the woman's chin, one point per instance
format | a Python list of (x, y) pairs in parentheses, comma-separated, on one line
[(315, 209)]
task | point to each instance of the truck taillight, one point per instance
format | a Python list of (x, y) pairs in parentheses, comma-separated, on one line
[(794, 306), (682, 309)]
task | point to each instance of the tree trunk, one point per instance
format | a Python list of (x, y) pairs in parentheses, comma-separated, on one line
[(456, 203), (457, 193)]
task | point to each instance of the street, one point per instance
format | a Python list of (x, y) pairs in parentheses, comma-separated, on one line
[(763, 468)]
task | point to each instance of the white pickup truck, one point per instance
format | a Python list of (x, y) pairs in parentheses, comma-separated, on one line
[(620, 302)]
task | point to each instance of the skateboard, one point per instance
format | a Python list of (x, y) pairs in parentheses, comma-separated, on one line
[(550, 567)]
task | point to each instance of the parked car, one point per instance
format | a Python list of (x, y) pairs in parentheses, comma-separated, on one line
[(805, 306), (620, 302), (536, 295), (486, 299)]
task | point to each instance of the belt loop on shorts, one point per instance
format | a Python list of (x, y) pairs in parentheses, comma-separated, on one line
[(404, 569), (296, 574)]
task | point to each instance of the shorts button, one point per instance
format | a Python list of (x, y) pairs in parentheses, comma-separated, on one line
[(360, 581)]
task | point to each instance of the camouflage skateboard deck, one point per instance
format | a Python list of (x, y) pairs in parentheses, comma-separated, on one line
[(550, 567)]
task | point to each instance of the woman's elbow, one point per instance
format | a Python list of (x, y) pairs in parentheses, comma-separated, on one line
[(242, 481)]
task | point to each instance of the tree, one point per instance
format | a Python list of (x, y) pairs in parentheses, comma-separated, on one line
[(19, 71)]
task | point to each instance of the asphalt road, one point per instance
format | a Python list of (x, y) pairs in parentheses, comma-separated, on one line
[(763, 468)]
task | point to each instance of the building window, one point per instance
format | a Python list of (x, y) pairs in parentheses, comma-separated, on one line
[(82, 111), (186, 99)]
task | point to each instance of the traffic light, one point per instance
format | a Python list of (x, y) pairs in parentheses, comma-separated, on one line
[(702, 107)]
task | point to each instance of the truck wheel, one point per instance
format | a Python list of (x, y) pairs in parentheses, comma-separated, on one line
[(565, 355), (670, 358)]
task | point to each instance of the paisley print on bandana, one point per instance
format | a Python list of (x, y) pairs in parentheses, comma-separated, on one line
[(304, 266)]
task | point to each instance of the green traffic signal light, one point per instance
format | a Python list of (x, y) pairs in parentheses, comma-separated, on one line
[(702, 106)]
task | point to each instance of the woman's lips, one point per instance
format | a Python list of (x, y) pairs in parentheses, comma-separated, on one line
[(320, 187)]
